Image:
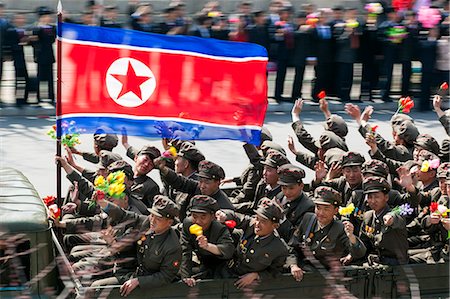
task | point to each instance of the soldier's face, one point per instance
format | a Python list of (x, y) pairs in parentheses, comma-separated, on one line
[(377, 201), (270, 175), (159, 224), (208, 186), (325, 213), (181, 164), (144, 164), (443, 185), (352, 175), (292, 191), (264, 227), (202, 219)]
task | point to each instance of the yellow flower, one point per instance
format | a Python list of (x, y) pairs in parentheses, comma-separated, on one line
[(99, 181), (110, 177), (116, 190), (345, 211), (425, 166), (173, 151), (120, 177), (196, 229)]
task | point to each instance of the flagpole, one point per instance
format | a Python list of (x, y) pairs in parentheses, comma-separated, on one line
[(58, 104)]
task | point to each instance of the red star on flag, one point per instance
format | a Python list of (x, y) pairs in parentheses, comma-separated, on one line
[(131, 82)]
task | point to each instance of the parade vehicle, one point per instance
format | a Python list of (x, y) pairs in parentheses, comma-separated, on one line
[(33, 264)]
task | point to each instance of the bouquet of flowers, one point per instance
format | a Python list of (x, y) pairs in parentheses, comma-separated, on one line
[(429, 17), (403, 210), (430, 165), (346, 211), (71, 139), (397, 34), (113, 186), (443, 89), (170, 154), (50, 203), (405, 105)]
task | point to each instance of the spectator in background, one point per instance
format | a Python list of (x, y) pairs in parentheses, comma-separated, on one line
[(170, 25), (443, 50), (428, 48), (141, 19), (4, 25), (110, 17), (408, 50), (203, 27)]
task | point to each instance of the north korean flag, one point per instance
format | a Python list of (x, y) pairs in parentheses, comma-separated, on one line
[(161, 86)]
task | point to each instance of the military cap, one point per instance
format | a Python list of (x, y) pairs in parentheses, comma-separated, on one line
[(107, 158), (177, 143), (150, 151), (374, 184), (333, 155), (427, 142), (275, 159), (270, 210), (164, 207), (266, 145), (189, 152), (210, 170), (289, 174), (375, 168), (44, 10), (329, 140), (337, 125), (265, 135), (443, 170), (105, 138), (407, 131), (426, 155), (327, 195), (352, 159), (399, 118), (203, 204), (122, 165), (444, 153)]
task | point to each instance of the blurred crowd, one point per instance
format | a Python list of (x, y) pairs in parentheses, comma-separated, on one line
[(330, 40)]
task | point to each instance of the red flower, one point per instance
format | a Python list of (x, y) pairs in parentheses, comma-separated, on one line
[(406, 104), (374, 128), (49, 200), (444, 86), (433, 207), (100, 195), (54, 127), (322, 95), (230, 223), (55, 211)]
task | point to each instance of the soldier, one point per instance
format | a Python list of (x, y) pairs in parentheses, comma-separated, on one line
[(104, 139), (210, 175), (350, 181), (186, 164), (268, 186), (261, 253), (213, 246), (327, 238), (158, 246), (444, 116), (294, 202), (383, 232)]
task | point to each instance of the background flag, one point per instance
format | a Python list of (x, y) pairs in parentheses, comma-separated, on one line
[(162, 86)]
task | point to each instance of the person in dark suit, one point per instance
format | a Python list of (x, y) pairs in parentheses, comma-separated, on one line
[(171, 25), (258, 32), (408, 50), (322, 48), (302, 51), (16, 37), (110, 17), (284, 36), (45, 35), (203, 28), (428, 48)]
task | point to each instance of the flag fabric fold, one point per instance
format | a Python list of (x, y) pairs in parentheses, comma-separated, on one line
[(162, 86)]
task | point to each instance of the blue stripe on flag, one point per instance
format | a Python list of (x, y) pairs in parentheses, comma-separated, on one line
[(208, 46), (158, 129)]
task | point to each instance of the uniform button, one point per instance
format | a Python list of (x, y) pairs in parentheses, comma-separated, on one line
[(152, 237), (252, 251), (257, 241), (313, 252), (377, 221), (247, 260)]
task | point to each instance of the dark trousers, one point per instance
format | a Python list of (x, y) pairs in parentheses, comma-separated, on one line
[(345, 80), (281, 76), (21, 86), (45, 73), (389, 60), (369, 78), (425, 93), (406, 77), (323, 79), (298, 82)]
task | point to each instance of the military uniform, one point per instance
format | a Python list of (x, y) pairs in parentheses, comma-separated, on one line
[(208, 170), (445, 121), (349, 159), (274, 160), (388, 243), (327, 242), (104, 140), (294, 210), (265, 255), (217, 234), (106, 159)]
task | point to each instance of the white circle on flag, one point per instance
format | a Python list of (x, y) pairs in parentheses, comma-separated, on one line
[(130, 82)]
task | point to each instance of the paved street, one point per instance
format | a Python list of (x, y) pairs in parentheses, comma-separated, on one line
[(24, 144)]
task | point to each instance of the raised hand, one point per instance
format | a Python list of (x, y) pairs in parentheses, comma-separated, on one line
[(291, 145), (353, 111), (321, 170)]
